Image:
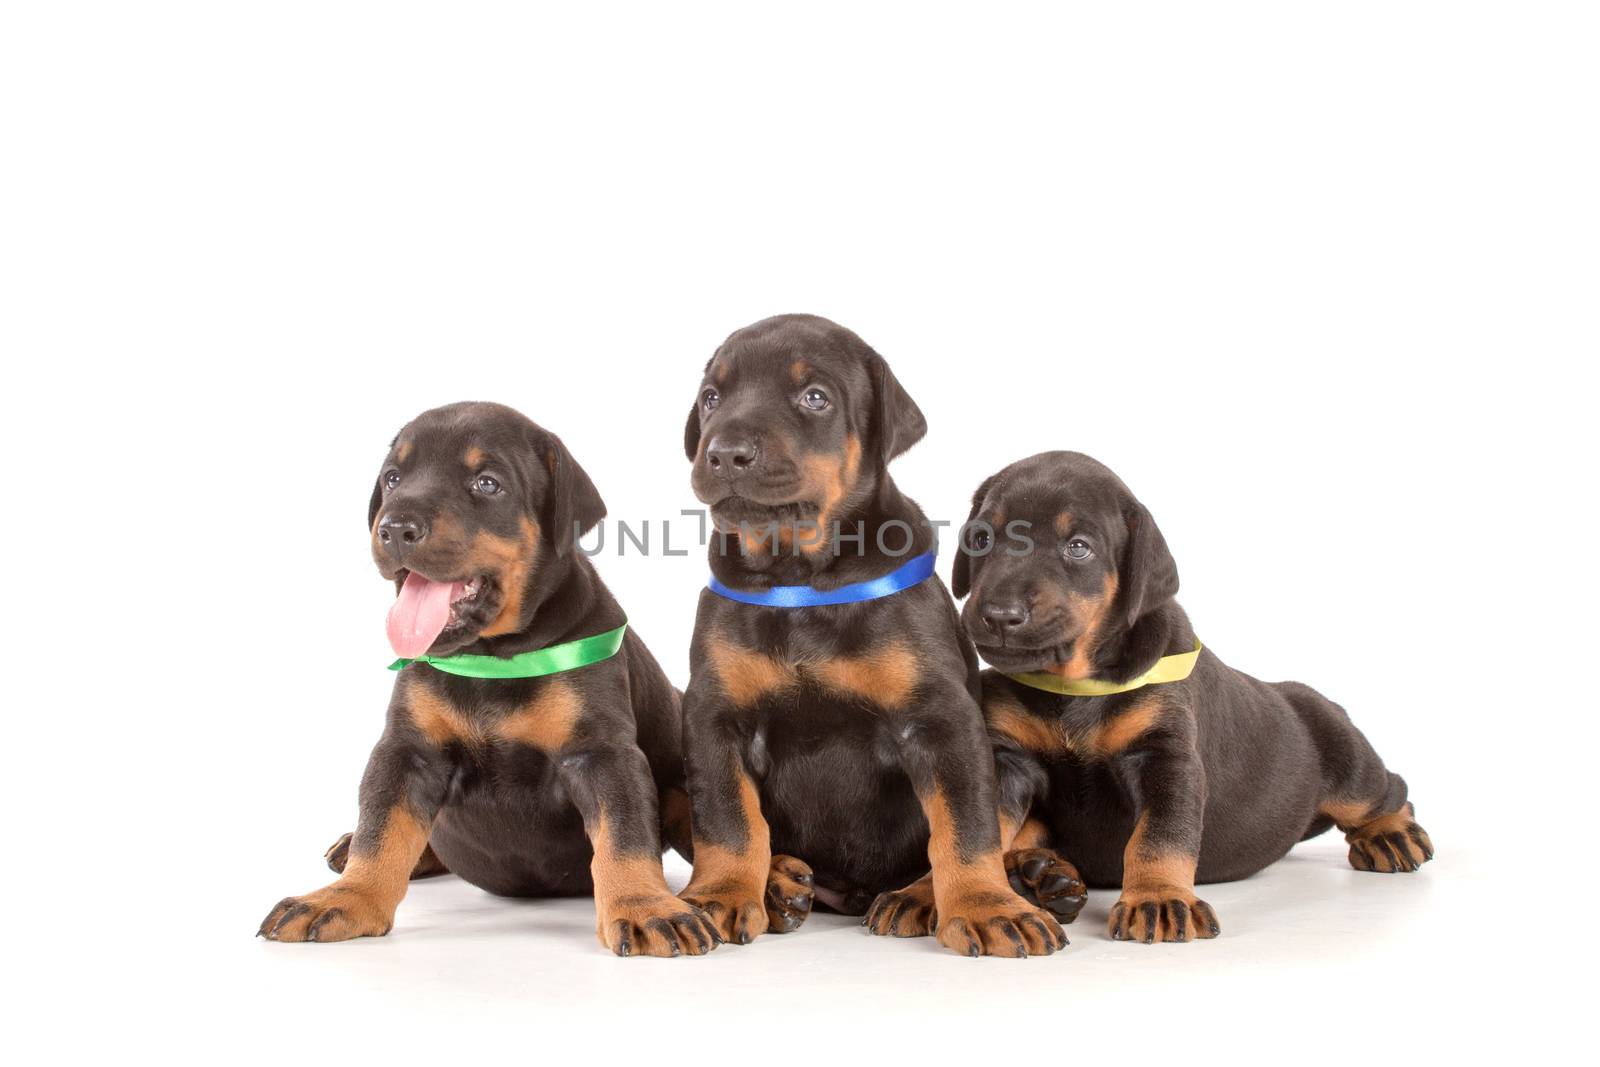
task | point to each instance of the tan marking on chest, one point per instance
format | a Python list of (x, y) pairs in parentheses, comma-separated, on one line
[(547, 723), (1126, 727), (438, 719), (1006, 716), (744, 675), (886, 677), (1010, 719)]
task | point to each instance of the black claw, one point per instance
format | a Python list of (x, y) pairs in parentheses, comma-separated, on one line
[(294, 912), (1152, 915), (1180, 920)]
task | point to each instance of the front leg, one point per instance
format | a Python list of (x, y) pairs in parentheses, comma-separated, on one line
[(1158, 901), (732, 845), (635, 912), (977, 913), (400, 795), (1036, 872)]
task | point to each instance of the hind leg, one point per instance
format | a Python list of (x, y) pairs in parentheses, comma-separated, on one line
[(428, 865), (1383, 841), (1361, 796)]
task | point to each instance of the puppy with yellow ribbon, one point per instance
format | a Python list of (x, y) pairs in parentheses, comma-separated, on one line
[(1122, 743)]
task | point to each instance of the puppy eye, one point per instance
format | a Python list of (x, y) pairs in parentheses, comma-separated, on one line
[(815, 399), (391, 479), (710, 399), (487, 485), (978, 539), (1078, 548)]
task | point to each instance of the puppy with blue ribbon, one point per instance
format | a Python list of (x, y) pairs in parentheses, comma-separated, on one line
[(833, 737)]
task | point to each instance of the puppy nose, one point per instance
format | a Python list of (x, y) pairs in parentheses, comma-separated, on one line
[(400, 533), (1004, 616), (730, 455)]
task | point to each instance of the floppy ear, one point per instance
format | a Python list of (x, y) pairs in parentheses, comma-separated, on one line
[(1149, 575), (572, 504), (691, 429), (897, 421), (377, 492), (961, 575), (691, 433)]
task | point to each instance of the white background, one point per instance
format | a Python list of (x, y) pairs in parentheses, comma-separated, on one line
[(1318, 280)]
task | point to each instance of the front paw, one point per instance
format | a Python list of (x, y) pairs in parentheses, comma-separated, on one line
[(999, 924), (737, 913), (790, 889), (333, 913), (1389, 844), (654, 925), (1165, 914), (1041, 876), (907, 912)]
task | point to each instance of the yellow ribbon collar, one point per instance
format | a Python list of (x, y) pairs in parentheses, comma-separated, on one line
[(1167, 669)]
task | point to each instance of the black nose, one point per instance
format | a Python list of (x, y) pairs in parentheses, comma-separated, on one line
[(730, 455), (1004, 616), (401, 533)]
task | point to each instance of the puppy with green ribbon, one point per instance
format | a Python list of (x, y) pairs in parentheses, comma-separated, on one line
[(532, 744)]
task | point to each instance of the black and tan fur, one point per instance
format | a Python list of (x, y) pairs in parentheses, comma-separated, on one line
[(1205, 780), (848, 736), (552, 786)]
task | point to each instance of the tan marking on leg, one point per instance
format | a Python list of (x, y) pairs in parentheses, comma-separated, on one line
[(1031, 834), (978, 911), (635, 913), (362, 901), (547, 722), (385, 872), (887, 677), (953, 875), (730, 884), (1145, 869), (746, 676)]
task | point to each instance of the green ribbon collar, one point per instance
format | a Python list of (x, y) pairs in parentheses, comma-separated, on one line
[(536, 664)]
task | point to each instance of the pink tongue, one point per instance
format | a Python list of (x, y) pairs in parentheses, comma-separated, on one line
[(420, 614)]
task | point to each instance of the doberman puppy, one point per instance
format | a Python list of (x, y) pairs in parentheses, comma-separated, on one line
[(1203, 774), (544, 785), (847, 734)]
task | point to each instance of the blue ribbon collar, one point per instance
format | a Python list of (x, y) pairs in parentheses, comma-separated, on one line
[(908, 574)]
